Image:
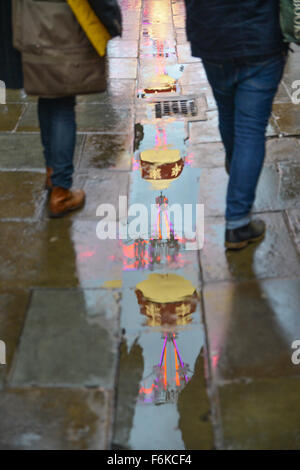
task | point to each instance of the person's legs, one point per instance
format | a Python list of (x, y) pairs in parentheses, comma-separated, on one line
[(221, 79), (63, 139), (254, 96)]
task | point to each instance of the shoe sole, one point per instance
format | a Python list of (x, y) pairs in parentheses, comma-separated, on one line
[(245, 243), (61, 214)]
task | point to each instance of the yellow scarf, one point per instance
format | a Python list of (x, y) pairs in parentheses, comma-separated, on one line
[(90, 23)]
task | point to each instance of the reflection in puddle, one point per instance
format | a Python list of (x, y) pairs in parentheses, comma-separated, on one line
[(168, 378), (167, 300), (161, 357)]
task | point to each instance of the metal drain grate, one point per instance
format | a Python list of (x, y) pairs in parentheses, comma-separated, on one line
[(183, 107)]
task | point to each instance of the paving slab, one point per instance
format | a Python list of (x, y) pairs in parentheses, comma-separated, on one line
[(287, 118), (23, 151), (22, 194), (120, 92), (9, 116), (102, 187), (69, 339), (294, 224), (57, 253), (103, 118), (184, 54), (251, 327), (278, 188), (122, 68), (182, 420), (206, 155), (29, 121), (19, 96), (13, 307), (274, 257), (284, 149), (261, 415), (54, 419), (107, 151), (117, 48)]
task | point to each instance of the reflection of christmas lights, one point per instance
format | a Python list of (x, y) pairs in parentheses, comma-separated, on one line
[(168, 378)]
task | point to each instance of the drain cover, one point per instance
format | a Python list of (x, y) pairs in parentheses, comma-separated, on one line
[(187, 107), (183, 107)]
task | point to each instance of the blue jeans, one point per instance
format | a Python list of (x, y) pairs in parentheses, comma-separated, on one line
[(58, 133), (244, 90)]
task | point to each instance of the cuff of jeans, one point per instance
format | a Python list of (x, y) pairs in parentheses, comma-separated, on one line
[(233, 224)]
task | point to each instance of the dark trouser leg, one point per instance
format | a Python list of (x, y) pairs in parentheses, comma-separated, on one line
[(254, 96), (221, 79), (45, 119), (63, 139)]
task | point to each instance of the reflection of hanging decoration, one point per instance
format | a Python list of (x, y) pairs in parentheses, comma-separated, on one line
[(168, 378), (166, 299), (162, 83), (161, 164)]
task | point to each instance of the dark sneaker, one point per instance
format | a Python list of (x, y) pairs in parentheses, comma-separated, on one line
[(240, 237)]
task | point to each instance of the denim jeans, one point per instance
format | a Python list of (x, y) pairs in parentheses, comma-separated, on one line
[(244, 90), (58, 133)]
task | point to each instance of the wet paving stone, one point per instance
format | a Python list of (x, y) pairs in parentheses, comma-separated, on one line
[(29, 121), (208, 131), (107, 151), (278, 189), (291, 72), (9, 116), (102, 188), (56, 253), (182, 419), (206, 155), (120, 49), (282, 95), (101, 118), (184, 54), (13, 306), (273, 257), (284, 149), (119, 92), (181, 36), (54, 419), (261, 415), (24, 151), (193, 74), (69, 339), (286, 116), (19, 96), (21, 151), (22, 194), (205, 131), (122, 68), (251, 327), (294, 223)]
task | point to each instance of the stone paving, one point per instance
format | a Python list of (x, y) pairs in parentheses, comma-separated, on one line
[(127, 344)]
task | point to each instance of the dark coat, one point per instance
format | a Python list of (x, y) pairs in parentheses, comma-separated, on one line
[(225, 29), (10, 58), (108, 11)]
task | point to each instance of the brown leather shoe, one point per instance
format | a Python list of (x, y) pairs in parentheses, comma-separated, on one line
[(63, 200), (48, 182)]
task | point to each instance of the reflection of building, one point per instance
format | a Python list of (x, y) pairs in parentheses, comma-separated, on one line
[(167, 300), (169, 376)]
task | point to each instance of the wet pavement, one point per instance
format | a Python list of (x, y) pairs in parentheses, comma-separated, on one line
[(144, 343)]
